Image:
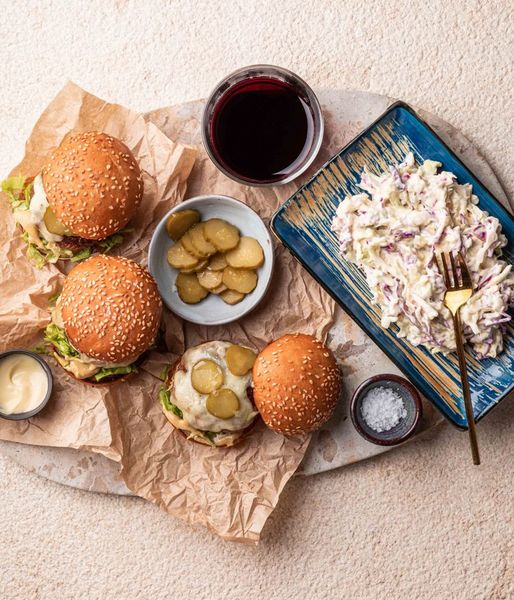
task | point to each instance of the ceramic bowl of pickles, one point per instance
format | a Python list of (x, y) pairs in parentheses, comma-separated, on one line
[(212, 258)]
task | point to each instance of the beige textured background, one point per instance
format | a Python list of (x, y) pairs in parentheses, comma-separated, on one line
[(419, 522)]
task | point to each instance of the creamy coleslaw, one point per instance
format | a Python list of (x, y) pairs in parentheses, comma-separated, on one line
[(393, 231)]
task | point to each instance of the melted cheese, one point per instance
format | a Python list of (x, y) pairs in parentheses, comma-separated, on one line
[(192, 403), (77, 367)]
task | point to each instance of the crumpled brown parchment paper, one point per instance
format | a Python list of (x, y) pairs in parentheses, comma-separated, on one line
[(230, 491)]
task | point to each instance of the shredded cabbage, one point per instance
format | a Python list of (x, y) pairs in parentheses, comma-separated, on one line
[(81, 255), (18, 191), (392, 232), (37, 258), (56, 336)]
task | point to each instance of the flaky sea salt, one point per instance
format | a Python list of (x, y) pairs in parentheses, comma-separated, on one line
[(382, 409)]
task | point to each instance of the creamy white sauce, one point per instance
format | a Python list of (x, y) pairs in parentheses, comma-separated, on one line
[(411, 213), (32, 219), (23, 384), (192, 403)]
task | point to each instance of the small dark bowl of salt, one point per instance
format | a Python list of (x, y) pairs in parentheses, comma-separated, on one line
[(386, 409)]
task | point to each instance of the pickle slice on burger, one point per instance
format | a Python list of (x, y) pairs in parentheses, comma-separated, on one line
[(208, 399), (106, 317), (80, 202)]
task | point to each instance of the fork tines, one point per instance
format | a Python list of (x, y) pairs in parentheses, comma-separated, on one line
[(455, 271)]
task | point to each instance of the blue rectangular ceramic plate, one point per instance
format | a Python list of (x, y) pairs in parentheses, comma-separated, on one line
[(303, 224)]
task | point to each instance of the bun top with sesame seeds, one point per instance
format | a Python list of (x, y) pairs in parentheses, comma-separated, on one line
[(296, 384), (93, 184), (111, 309)]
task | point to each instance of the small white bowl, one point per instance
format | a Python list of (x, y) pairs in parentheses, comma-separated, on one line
[(212, 310)]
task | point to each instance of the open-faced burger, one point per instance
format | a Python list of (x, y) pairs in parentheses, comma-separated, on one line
[(80, 202), (208, 395), (106, 317)]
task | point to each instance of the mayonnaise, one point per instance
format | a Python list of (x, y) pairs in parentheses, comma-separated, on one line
[(23, 384), (32, 220), (38, 206)]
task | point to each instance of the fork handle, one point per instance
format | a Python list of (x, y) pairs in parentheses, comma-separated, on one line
[(465, 389)]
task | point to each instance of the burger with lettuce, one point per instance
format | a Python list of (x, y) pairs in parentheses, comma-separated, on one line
[(80, 202), (105, 319)]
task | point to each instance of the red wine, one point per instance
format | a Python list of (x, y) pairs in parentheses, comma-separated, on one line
[(262, 129)]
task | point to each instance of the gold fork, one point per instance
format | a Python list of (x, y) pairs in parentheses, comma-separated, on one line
[(458, 292)]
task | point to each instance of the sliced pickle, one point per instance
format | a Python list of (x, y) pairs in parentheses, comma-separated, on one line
[(222, 403), (239, 360), (218, 262), (200, 243), (222, 234), (199, 267), (179, 257), (240, 280), (187, 242), (231, 297), (206, 376), (210, 279), (53, 224), (217, 290), (178, 223), (189, 290), (248, 254)]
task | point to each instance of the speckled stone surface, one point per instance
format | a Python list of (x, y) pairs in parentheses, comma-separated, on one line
[(419, 522), (338, 443)]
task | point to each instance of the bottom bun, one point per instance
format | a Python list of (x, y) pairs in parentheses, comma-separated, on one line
[(227, 441)]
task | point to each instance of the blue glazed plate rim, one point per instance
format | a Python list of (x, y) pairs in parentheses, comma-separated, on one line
[(354, 316)]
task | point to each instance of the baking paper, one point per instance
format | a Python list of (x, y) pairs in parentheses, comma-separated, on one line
[(231, 491)]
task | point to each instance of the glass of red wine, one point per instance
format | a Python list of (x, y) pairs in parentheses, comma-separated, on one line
[(262, 125)]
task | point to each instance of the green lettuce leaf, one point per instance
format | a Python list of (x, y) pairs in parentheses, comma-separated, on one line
[(17, 191), (164, 373), (40, 256), (210, 435), (81, 255), (111, 242), (56, 336), (109, 372), (164, 397), (36, 257)]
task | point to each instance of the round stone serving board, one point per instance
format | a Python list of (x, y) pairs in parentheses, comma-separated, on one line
[(337, 444)]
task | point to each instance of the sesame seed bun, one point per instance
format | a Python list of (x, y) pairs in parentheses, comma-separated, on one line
[(296, 384), (93, 184), (111, 309)]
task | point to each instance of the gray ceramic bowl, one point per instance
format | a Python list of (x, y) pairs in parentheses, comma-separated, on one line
[(406, 427), (212, 310), (49, 376)]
